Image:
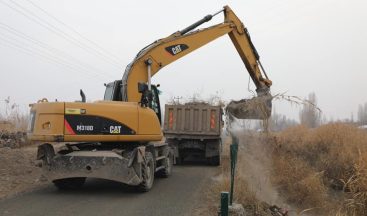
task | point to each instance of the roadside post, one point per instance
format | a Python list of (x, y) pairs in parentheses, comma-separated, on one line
[(223, 204), (233, 154), (226, 199)]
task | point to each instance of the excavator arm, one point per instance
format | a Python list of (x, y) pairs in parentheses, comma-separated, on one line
[(167, 50)]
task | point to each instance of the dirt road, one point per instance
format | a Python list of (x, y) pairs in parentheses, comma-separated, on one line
[(176, 195)]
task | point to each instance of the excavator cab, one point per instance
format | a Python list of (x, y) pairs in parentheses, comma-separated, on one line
[(150, 98)]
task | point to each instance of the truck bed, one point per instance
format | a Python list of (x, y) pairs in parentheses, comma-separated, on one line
[(192, 121)]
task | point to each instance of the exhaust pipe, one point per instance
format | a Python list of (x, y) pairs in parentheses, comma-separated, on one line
[(83, 96)]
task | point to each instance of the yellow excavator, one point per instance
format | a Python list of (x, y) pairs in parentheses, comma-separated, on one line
[(120, 138)]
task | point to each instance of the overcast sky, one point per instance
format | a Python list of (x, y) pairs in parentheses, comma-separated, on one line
[(306, 46)]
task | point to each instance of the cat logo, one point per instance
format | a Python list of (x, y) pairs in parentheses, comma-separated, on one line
[(176, 49), (115, 129)]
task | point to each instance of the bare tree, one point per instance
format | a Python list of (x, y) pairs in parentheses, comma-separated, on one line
[(309, 115), (279, 122), (276, 122), (351, 117), (362, 114)]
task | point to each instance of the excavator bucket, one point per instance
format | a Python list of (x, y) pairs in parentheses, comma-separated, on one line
[(254, 108)]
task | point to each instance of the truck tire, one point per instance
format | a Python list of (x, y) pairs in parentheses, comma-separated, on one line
[(69, 183), (148, 171), (168, 164), (214, 161), (180, 160)]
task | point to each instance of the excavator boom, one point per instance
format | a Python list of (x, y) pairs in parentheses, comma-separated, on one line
[(167, 50)]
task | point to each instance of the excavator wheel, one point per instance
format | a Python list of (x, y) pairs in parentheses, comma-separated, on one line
[(148, 171), (69, 183)]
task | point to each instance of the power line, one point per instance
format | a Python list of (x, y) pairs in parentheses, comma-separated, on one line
[(42, 55), (51, 49), (13, 45), (45, 58), (56, 31), (55, 58), (73, 30), (69, 37)]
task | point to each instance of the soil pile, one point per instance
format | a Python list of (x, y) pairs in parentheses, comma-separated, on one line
[(18, 170), (13, 139)]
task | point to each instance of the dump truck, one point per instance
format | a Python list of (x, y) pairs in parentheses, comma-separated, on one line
[(194, 129)]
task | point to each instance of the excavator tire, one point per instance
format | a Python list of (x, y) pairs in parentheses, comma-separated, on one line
[(69, 183), (148, 171)]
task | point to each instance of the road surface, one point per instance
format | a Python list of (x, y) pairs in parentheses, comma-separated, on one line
[(176, 195)]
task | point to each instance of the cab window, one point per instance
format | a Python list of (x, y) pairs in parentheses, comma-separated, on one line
[(155, 102), (108, 95), (113, 91)]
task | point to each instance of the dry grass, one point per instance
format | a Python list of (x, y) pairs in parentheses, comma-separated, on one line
[(323, 168), (302, 185), (12, 119), (321, 171), (13, 125)]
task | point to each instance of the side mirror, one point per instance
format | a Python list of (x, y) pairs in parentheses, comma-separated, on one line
[(158, 85)]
